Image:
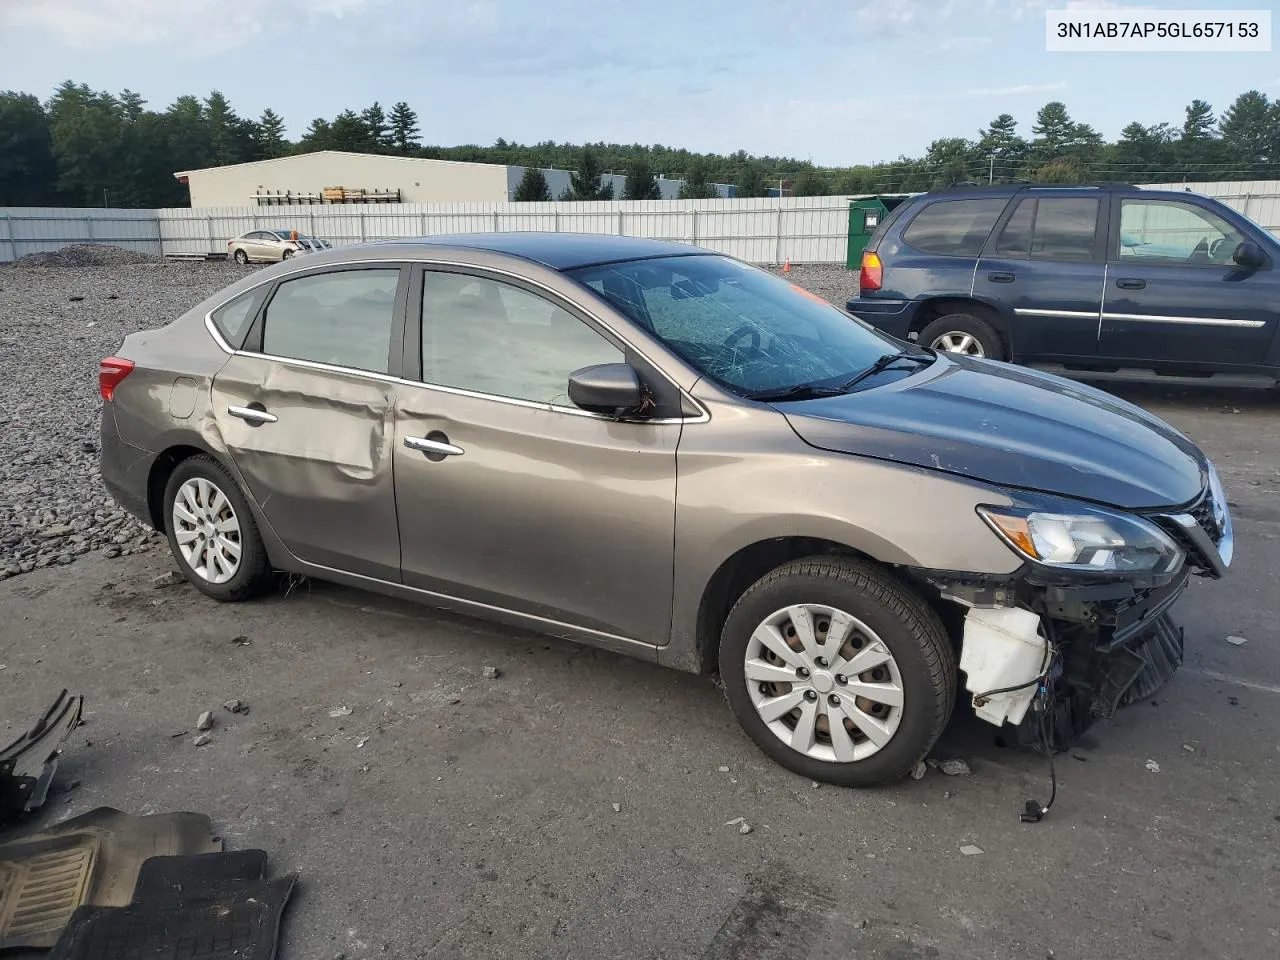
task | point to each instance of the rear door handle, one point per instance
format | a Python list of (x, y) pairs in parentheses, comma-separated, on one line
[(435, 443), (1000, 277), (1130, 283), (252, 414)]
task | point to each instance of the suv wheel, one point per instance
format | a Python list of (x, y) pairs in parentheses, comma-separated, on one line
[(963, 333), (838, 671), (212, 532)]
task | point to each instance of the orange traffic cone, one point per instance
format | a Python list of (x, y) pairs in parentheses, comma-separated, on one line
[(786, 267)]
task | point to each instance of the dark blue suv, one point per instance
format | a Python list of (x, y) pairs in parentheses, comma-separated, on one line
[(1106, 279)]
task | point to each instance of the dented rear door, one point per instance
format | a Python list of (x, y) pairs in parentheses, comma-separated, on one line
[(306, 413)]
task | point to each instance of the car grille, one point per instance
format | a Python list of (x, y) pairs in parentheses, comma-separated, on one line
[(1205, 515)]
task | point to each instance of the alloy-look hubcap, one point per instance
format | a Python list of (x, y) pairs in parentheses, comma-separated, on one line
[(207, 530), (959, 342), (824, 683)]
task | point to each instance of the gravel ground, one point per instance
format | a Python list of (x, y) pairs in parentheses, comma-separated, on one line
[(60, 313), (57, 321), (834, 282)]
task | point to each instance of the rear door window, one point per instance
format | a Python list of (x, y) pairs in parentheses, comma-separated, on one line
[(344, 318), (1065, 228), (954, 228), (1015, 238)]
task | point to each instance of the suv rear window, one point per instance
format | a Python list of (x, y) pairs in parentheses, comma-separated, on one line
[(954, 228)]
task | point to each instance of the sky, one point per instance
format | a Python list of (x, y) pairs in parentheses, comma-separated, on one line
[(837, 82)]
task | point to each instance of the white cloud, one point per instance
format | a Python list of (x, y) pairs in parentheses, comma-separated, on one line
[(203, 25), (1018, 89)]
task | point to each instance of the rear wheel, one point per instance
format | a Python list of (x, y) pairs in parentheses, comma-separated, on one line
[(241, 257), (963, 333), (212, 532), (838, 671), (286, 254)]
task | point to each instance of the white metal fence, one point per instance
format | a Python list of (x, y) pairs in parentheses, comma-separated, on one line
[(796, 229)]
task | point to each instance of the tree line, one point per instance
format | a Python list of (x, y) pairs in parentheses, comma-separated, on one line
[(89, 147)]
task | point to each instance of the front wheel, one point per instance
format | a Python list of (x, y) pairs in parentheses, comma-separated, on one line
[(963, 333), (286, 254), (212, 532), (838, 671)]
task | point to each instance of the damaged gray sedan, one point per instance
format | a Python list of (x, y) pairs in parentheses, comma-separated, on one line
[(662, 451)]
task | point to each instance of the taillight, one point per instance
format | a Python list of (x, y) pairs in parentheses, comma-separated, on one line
[(111, 373), (872, 274)]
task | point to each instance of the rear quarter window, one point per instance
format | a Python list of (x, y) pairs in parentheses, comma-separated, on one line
[(954, 228), (234, 318)]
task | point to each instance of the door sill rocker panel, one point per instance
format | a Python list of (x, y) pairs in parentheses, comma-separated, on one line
[(474, 608)]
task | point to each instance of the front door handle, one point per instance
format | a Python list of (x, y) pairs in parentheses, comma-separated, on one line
[(435, 445), (1130, 283), (1000, 277), (254, 415)]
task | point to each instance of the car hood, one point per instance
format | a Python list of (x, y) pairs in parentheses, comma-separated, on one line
[(1012, 427)]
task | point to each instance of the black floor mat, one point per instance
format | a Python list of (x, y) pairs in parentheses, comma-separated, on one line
[(108, 847), (241, 921), (203, 877)]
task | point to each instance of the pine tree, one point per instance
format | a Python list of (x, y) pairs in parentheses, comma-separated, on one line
[(404, 128), (132, 104), (350, 132), (28, 175), (375, 122), (696, 185), (584, 182), (318, 136), (750, 178), (532, 187), (1247, 129), (1200, 121), (271, 141), (1001, 140), (1054, 129), (640, 184)]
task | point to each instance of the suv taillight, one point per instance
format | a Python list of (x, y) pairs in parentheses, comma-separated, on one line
[(872, 275), (111, 373)]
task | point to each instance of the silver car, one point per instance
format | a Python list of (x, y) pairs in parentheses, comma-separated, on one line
[(272, 246), (668, 453)]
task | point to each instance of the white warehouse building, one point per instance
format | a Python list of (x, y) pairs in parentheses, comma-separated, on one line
[(336, 176)]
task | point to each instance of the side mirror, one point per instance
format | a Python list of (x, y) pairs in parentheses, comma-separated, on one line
[(1249, 254), (612, 388)]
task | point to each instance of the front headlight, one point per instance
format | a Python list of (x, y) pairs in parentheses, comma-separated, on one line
[(1086, 540)]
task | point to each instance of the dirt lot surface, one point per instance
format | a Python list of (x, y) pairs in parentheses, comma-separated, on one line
[(579, 805)]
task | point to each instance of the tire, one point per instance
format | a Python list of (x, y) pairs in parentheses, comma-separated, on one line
[(286, 255), (241, 257), (252, 571), (976, 334), (920, 658)]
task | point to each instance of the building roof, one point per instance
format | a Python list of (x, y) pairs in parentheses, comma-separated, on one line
[(340, 153), (563, 251)]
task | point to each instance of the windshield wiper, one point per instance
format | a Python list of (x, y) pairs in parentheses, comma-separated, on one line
[(801, 391), (883, 364)]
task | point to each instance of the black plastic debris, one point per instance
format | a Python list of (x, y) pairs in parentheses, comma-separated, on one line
[(28, 764)]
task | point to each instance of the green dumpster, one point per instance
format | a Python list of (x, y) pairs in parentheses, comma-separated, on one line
[(864, 216)]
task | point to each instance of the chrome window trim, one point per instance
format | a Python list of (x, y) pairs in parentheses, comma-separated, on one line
[(703, 416)]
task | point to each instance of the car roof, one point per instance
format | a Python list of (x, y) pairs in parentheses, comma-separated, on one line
[(560, 251), (1009, 189)]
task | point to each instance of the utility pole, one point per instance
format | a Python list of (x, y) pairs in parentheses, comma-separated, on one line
[(991, 170)]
